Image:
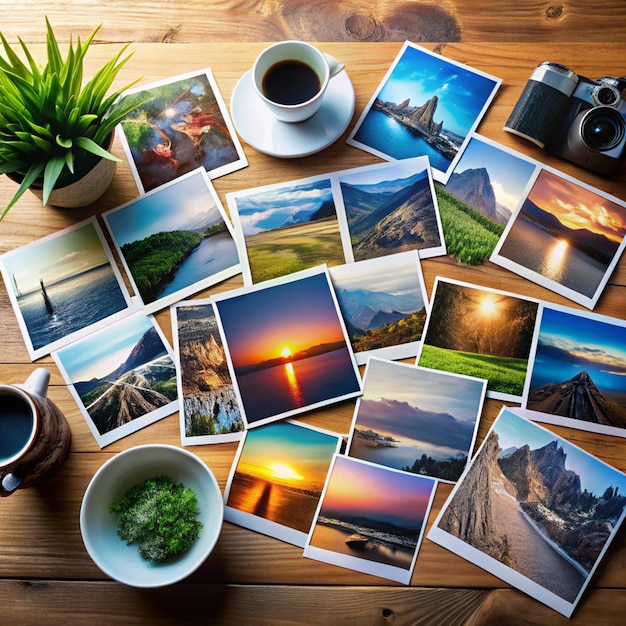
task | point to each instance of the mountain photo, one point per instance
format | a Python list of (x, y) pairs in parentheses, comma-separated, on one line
[(480, 197), (391, 216), (536, 505)]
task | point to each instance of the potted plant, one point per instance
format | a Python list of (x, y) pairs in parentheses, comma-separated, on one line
[(53, 129)]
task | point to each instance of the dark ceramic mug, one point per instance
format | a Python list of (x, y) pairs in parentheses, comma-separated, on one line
[(34, 435)]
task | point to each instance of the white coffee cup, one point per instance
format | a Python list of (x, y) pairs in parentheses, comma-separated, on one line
[(291, 77)]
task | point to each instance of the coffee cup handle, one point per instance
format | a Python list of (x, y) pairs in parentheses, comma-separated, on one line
[(333, 65), (9, 483)]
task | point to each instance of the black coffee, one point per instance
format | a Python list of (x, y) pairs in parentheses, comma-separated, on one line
[(16, 425), (290, 82)]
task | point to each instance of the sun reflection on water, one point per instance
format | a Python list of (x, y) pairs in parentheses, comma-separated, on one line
[(554, 262), (292, 381)]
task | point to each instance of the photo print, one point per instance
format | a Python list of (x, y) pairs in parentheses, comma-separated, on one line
[(286, 227), (174, 241), (371, 519), (180, 124), (578, 371), (384, 305), (388, 208), (426, 105), (480, 197), (545, 536), (287, 346), (416, 420), (209, 410), (122, 377), (277, 479), (566, 236), (64, 286), (480, 332)]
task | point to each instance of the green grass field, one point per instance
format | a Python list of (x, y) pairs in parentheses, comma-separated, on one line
[(469, 235), (505, 374), (286, 250)]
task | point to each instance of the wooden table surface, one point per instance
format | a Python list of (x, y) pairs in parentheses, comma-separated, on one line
[(46, 576)]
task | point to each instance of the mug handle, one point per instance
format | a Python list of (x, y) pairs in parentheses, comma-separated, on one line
[(333, 65), (9, 483)]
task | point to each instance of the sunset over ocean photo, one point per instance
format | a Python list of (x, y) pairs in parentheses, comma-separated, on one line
[(279, 477), (287, 346)]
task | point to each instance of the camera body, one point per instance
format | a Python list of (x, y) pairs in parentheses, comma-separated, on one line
[(573, 117)]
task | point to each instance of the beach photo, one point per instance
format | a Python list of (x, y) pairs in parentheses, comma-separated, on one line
[(174, 241), (209, 410), (286, 227), (287, 346), (426, 105), (63, 286), (416, 420), (543, 530), (566, 236), (122, 377), (371, 519), (481, 195), (480, 332), (383, 302), (389, 208), (578, 371), (277, 479), (180, 124)]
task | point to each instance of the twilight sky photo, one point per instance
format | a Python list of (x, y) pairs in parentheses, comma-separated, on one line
[(569, 344)]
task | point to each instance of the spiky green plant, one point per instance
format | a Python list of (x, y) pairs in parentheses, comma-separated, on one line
[(51, 126)]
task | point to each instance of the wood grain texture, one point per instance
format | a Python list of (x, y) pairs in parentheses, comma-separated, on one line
[(250, 578), (199, 21)]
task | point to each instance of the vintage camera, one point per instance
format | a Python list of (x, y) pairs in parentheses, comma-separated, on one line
[(573, 117)]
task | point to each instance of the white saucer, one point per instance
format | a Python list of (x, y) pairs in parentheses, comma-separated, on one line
[(259, 128)]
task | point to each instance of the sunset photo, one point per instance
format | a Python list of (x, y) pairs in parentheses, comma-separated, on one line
[(287, 346), (277, 479), (566, 236), (480, 332), (371, 519), (416, 420), (578, 374)]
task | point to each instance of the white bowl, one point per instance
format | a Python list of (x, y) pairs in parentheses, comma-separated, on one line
[(109, 484)]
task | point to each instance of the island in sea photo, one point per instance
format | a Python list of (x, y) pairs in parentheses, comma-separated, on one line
[(287, 346), (174, 241), (427, 105), (209, 409), (278, 478), (371, 519), (535, 505), (416, 420), (122, 376)]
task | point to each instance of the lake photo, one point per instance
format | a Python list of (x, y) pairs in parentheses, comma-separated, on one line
[(416, 420), (287, 346), (174, 241), (566, 237), (64, 285)]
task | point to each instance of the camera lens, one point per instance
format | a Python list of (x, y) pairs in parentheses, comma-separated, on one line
[(602, 128), (606, 95)]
